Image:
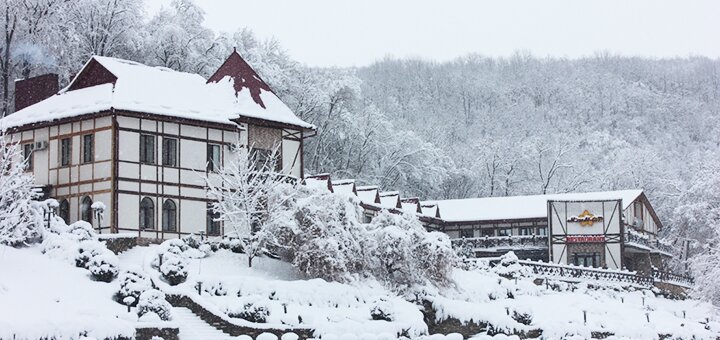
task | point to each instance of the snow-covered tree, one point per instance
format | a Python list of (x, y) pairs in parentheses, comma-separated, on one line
[(407, 254), (327, 239), (21, 220), (248, 196)]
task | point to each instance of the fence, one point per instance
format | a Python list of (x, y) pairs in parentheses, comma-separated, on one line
[(672, 278), (502, 242), (554, 270)]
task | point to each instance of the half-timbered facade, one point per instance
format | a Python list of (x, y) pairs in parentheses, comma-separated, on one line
[(142, 139)]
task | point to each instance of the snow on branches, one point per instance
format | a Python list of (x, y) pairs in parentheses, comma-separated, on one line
[(249, 199), (21, 220)]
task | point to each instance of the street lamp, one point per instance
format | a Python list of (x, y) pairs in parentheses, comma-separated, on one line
[(51, 205), (98, 209)]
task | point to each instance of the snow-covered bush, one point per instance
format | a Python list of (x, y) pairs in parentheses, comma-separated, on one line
[(215, 288), (153, 301), (86, 250), (382, 310), (21, 219), (60, 247), (132, 284), (103, 267), (173, 268), (193, 241), (250, 312), (408, 255), (509, 267), (81, 231), (327, 240)]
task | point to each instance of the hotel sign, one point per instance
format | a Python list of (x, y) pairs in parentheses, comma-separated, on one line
[(586, 219), (585, 239)]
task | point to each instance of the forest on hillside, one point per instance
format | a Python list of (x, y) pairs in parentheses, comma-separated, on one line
[(471, 127)]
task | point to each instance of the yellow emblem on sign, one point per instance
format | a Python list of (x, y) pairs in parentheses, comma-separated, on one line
[(586, 219)]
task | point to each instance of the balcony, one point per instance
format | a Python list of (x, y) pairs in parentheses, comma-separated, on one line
[(646, 242), (502, 242)]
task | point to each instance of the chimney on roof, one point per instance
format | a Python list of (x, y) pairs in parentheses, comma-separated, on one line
[(36, 89)]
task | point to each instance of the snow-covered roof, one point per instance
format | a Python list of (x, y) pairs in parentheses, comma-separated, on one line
[(346, 186), (157, 90), (519, 207), (390, 199), (367, 194), (321, 181), (429, 209)]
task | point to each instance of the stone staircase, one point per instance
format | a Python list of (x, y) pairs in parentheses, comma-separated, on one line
[(193, 328)]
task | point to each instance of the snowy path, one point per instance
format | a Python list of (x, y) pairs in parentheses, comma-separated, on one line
[(193, 328)]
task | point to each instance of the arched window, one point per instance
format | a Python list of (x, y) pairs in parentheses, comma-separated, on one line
[(64, 211), (86, 213), (147, 214), (169, 215)]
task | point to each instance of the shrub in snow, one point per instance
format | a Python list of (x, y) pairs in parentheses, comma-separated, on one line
[(232, 243), (173, 268), (382, 310), (326, 237), (215, 288), (81, 231), (174, 246), (86, 250), (509, 267), (251, 312), (523, 318), (193, 241), (21, 219), (153, 301), (60, 247), (103, 267), (132, 284), (408, 255)]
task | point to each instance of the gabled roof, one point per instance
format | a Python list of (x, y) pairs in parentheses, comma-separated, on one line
[(368, 193), (390, 199), (520, 207), (411, 204), (430, 209), (321, 181), (107, 83), (346, 186)]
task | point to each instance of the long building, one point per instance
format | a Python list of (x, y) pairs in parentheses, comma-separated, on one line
[(611, 229)]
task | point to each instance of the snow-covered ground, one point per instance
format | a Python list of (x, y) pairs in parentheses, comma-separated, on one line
[(41, 296)]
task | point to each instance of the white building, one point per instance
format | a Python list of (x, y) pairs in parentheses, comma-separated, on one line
[(140, 139)]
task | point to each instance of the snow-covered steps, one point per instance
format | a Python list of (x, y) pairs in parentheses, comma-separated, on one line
[(194, 328)]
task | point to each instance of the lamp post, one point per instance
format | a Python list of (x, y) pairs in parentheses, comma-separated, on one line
[(51, 205), (99, 211)]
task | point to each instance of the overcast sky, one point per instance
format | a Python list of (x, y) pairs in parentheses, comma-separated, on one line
[(344, 33)]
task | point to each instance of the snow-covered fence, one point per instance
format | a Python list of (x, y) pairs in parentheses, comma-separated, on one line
[(490, 242), (672, 278), (582, 273)]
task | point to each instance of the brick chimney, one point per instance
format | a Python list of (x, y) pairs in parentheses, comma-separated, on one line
[(36, 89)]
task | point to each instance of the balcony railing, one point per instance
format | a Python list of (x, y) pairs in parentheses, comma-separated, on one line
[(511, 242), (645, 241), (586, 273)]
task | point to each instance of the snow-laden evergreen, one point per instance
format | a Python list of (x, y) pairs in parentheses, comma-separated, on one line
[(21, 218)]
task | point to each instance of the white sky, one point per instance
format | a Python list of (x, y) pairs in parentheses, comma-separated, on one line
[(345, 33)]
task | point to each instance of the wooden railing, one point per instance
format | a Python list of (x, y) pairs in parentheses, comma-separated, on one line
[(668, 277), (573, 272), (502, 242), (635, 237)]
